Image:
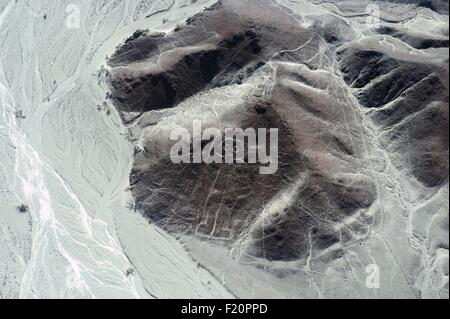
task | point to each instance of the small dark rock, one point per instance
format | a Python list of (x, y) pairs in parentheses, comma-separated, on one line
[(22, 208)]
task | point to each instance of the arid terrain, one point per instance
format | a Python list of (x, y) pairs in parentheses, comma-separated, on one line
[(93, 206)]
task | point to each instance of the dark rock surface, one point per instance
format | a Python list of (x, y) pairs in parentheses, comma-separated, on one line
[(410, 102), (324, 195)]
